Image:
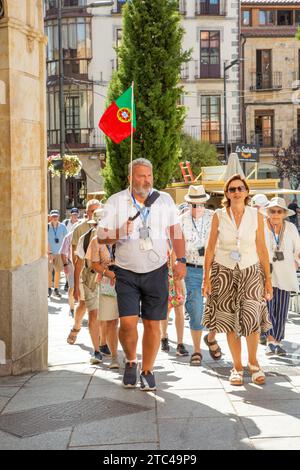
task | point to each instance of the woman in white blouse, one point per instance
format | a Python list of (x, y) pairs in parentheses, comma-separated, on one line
[(283, 243), (233, 282)]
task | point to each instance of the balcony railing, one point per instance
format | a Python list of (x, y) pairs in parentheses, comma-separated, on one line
[(271, 81), (215, 136), (202, 70), (267, 139), (184, 75), (182, 7), (210, 8), (295, 139), (77, 138)]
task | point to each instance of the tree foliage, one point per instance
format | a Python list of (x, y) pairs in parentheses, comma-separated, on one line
[(150, 55), (287, 161), (198, 153)]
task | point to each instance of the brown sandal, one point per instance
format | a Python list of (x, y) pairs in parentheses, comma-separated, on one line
[(196, 359), (73, 336), (213, 353)]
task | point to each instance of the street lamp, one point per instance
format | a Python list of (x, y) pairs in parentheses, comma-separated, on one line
[(225, 68), (61, 96)]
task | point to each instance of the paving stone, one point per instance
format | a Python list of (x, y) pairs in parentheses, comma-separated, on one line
[(3, 402), (117, 392), (271, 407), (272, 390), (193, 404), (124, 430), (15, 381), (133, 447), (49, 441), (8, 391), (222, 433), (288, 443), (273, 426)]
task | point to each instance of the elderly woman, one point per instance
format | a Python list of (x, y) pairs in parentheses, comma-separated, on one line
[(283, 243), (233, 279)]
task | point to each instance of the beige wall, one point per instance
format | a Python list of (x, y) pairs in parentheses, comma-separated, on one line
[(23, 264)]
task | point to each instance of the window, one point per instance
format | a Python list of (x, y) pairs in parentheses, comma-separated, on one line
[(263, 69), (211, 119), (76, 43), (78, 114), (120, 4), (266, 17), (209, 7), (210, 54), (264, 129), (118, 44), (284, 17), (246, 18)]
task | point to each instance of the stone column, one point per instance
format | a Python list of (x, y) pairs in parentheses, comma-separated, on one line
[(23, 234)]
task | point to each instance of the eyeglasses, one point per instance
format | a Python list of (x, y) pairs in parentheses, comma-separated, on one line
[(276, 211), (240, 189)]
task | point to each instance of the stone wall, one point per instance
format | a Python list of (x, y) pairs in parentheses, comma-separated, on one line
[(23, 262)]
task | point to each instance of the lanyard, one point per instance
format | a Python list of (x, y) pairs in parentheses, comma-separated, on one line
[(144, 211), (55, 230), (277, 237), (238, 230), (199, 233)]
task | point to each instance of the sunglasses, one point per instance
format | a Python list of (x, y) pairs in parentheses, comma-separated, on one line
[(194, 206), (240, 189), (276, 211)]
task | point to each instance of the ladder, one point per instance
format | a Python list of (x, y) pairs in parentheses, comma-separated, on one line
[(187, 176)]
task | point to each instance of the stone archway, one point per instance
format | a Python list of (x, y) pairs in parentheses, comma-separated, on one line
[(23, 244)]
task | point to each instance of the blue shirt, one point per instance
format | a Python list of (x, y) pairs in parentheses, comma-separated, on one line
[(58, 233)]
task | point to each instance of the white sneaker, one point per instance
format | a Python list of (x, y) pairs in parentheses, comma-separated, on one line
[(114, 363)]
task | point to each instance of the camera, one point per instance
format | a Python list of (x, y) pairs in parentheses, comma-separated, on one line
[(56, 240), (278, 256), (201, 251)]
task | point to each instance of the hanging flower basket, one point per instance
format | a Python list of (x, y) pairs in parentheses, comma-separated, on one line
[(69, 165)]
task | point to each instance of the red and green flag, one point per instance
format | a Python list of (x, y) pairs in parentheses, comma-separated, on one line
[(117, 120)]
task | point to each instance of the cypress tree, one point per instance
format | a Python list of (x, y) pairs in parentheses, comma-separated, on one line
[(150, 55)]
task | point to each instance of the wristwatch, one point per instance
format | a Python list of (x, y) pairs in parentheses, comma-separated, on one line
[(181, 260)]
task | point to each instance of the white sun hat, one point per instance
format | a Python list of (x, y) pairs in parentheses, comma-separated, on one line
[(259, 200), (196, 195), (278, 202)]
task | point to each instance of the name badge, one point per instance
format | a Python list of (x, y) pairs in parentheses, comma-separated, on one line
[(236, 256), (144, 232), (146, 244)]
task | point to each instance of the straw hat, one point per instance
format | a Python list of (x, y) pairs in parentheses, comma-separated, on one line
[(196, 195), (277, 202)]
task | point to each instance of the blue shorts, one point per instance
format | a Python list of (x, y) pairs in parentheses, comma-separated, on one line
[(143, 294)]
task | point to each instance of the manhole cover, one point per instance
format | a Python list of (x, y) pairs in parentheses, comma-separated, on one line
[(64, 415)]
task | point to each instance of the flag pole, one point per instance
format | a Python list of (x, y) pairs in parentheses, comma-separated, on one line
[(131, 140)]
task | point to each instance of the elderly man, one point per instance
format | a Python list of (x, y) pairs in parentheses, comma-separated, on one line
[(141, 265), (56, 235)]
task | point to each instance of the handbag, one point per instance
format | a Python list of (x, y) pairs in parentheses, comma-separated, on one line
[(106, 288)]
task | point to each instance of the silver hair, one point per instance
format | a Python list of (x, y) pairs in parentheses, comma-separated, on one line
[(139, 162), (92, 202)]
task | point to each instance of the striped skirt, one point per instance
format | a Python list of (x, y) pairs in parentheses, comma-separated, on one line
[(236, 302)]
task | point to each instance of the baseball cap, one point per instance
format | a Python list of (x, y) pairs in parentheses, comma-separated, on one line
[(74, 210), (54, 213)]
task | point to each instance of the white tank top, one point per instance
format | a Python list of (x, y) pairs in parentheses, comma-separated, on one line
[(227, 239)]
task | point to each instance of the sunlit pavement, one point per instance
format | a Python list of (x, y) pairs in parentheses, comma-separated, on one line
[(78, 406)]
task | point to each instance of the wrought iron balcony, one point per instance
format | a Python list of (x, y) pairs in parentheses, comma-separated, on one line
[(77, 138), (266, 81), (210, 7), (267, 139), (202, 70)]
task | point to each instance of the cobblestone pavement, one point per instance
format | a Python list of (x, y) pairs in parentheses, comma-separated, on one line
[(77, 406)]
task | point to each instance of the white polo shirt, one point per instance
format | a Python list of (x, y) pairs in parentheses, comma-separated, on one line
[(162, 215)]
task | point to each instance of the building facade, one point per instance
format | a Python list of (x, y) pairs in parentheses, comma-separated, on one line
[(90, 37), (271, 70)]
